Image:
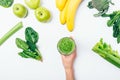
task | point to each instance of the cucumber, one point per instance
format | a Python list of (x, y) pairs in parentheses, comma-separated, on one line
[(66, 46)]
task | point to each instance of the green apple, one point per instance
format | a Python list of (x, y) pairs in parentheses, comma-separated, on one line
[(42, 14), (19, 10), (33, 4)]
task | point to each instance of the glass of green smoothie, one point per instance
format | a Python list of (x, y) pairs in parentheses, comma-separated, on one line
[(66, 45)]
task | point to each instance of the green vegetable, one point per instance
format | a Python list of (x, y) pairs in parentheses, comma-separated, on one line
[(6, 3), (22, 54), (101, 5), (21, 44), (11, 32), (30, 54), (31, 35), (106, 52), (29, 47), (115, 22), (34, 48), (66, 46)]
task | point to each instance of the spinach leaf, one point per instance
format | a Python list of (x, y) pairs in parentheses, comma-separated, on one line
[(32, 46), (29, 47), (22, 54), (33, 55), (31, 35), (21, 44), (6, 3)]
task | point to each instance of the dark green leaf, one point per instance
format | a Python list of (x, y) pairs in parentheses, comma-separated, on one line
[(6, 3), (31, 35), (113, 14), (118, 38), (32, 46), (115, 31)]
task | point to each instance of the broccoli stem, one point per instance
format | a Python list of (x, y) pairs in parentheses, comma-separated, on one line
[(11, 32)]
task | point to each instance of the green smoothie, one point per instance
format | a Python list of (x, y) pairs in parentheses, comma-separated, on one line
[(66, 46)]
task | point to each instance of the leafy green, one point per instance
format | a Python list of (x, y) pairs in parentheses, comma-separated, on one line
[(22, 54), (115, 22), (6, 3), (31, 35), (32, 46), (101, 5), (11, 32), (21, 44), (106, 52), (32, 54), (29, 47)]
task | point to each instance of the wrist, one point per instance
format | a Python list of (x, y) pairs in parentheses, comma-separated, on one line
[(69, 69), (69, 74)]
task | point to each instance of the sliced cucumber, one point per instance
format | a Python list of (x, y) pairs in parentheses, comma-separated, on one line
[(66, 46)]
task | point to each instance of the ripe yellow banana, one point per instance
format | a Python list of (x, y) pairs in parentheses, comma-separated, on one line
[(63, 13), (60, 4), (72, 7)]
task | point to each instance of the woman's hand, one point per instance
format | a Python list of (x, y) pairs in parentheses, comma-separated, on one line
[(68, 62)]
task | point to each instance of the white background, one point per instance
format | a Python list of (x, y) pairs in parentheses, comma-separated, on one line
[(88, 30)]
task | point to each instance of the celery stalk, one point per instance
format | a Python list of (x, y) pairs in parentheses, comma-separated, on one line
[(106, 52), (11, 32), (109, 57)]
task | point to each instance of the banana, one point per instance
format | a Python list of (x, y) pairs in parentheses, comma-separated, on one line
[(72, 7), (60, 4), (63, 13)]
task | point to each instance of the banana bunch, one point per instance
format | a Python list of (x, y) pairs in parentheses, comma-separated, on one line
[(67, 10)]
